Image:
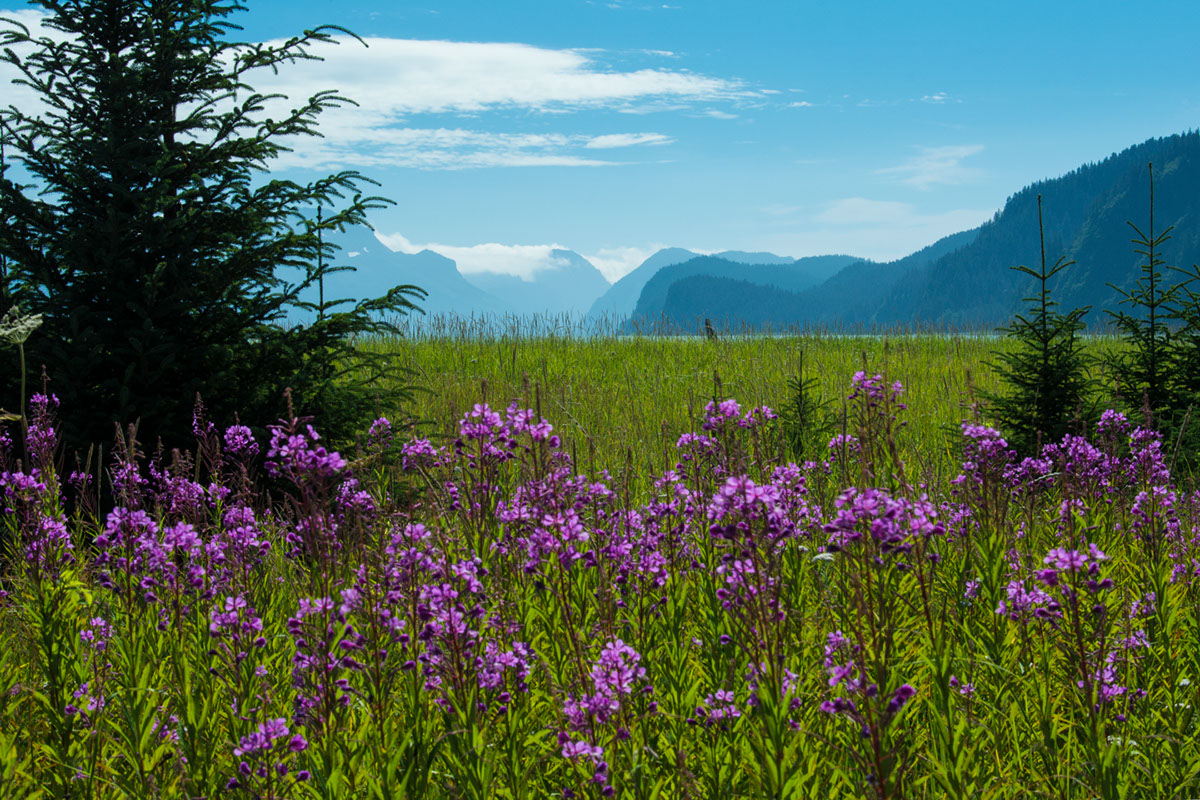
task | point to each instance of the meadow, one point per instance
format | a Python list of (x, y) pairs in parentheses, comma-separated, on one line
[(618, 399), (594, 569)]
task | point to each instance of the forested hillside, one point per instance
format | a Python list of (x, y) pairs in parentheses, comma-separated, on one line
[(965, 280)]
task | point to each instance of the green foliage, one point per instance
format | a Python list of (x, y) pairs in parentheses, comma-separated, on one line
[(161, 262), (1046, 376), (1184, 376), (1144, 371), (806, 417)]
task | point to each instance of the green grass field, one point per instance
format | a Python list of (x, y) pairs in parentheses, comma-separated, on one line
[(624, 399)]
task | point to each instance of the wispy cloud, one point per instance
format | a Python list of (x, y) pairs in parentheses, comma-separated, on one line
[(401, 77), (395, 80), (612, 140), (349, 140), (939, 98), (936, 165)]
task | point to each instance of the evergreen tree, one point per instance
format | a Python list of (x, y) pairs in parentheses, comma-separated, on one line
[(1144, 370), (1046, 373), (1185, 343), (807, 419), (162, 259)]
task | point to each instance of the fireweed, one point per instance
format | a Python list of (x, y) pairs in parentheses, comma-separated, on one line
[(477, 617)]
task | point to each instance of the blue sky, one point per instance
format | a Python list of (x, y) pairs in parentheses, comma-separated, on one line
[(615, 127)]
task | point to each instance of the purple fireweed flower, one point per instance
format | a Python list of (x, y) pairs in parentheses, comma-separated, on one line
[(241, 539), (719, 709), (48, 548), (354, 501), (578, 748), (718, 414), (839, 705), (900, 698), (526, 421), (695, 443), (873, 390), (1023, 603), (264, 755), (480, 423), (96, 635), (379, 436), (757, 417), (263, 738), (615, 675), (40, 437), (420, 454), (292, 454), (986, 456), (892, 523), (964, 689), (495, 663), (237, 625), (326, 652), (618, 670), (1147, 462), (239, 443), (1066, 560)]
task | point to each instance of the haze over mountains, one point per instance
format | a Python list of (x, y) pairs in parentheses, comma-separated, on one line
[(962, 280)]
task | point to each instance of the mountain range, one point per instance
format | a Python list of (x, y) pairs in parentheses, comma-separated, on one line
[(961, 281), (964, 281)]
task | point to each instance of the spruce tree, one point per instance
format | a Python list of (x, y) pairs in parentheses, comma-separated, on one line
[(1046, 373), (1144, 370), (160, 253)]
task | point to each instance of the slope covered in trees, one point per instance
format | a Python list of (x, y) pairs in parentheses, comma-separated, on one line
[(770, 278), (1086, 215), (964, 280)]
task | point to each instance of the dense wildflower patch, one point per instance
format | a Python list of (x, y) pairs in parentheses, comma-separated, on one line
[(476, 617)]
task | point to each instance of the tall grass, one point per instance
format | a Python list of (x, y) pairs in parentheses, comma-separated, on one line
[(622, 399), (488, 619)]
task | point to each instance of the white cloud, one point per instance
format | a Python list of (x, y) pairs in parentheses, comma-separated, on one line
[(398, 77), (394, 80), (936, 165), (626, 140), (717, 113), (939, 98), (522, 260), (24, 98), (615, 263), (443, 148), (800, 104)]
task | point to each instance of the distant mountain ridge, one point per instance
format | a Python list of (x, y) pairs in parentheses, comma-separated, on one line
[(964, 280), (621, 301), (1086, 214), (377, 269), (791, 276)]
